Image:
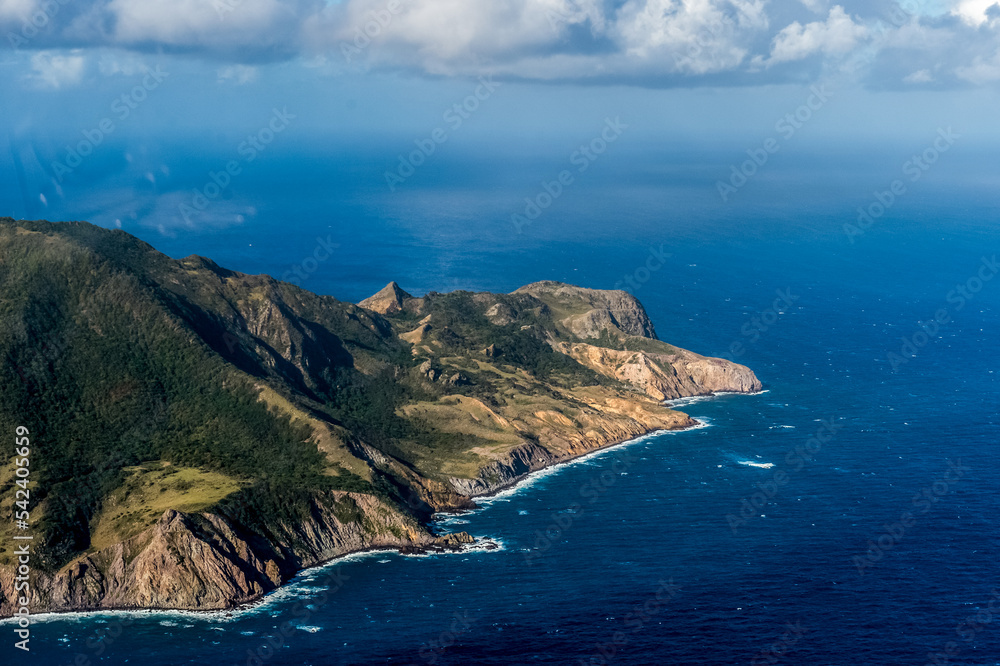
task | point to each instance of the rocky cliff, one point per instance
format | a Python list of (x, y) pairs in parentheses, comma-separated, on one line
[(589, 312), (561, 440), (666, 376), (204, 561)]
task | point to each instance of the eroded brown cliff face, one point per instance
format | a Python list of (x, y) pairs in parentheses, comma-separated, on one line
[(559, 441), (200, 561), (608, 420), (592, 311), (663, 376)]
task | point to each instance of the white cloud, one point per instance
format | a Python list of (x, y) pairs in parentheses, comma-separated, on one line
[(695, 36), (919, 76), (982, 70), (952, 52), (124, 63), (973, 12), (449, 32), (818, 6), (53, 70), (656, 42), (543, 38), (237, 74), (836, 36), (12, 10), (200, 22)]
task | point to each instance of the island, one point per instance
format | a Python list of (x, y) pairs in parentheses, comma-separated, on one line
[(198, 435)]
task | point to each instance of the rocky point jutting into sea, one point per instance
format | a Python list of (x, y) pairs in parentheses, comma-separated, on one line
[(200, 435)]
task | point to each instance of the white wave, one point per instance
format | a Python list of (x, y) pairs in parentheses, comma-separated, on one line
[(483, 544), (487, 545), (310, 629), (691, 400), (751, 463), (449, 518), (112, 616), (533, 478), (299, 586), (684, 402)]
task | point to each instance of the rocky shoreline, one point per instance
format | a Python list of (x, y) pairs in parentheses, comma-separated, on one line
[(426, 544)]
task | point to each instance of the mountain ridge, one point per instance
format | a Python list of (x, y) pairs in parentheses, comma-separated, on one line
[(203, 434)]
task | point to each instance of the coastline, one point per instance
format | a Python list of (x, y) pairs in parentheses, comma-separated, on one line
[(533, 475), (525, 480), (288, 587)]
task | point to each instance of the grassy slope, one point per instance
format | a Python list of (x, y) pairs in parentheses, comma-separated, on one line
[(150, 383), (150, 489), (107, 376), (520, 389)]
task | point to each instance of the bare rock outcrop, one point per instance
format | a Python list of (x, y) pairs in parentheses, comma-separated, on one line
[(664, 376), (594, 310), (388, 300)]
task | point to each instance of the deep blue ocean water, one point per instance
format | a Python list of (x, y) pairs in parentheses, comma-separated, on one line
[(641, 564)]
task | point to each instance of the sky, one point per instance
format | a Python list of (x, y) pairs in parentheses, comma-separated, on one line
[(121, 79), (657, 43), (409, 52)]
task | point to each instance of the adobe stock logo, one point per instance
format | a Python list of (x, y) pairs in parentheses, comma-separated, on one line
[(37, 22), (958, 297), (122, 107), (642, 273), (378, 20), (760, 323), (310, 264), (924, 500), (250, 149), (456, 116), (582, 158), (914, 169), (787, 126)]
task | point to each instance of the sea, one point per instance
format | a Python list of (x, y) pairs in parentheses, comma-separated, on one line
[(846, 514)]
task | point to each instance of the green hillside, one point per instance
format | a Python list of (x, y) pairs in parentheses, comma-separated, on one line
[(291, 422)]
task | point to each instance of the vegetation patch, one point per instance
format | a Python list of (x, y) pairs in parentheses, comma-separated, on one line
[(151, 489)]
